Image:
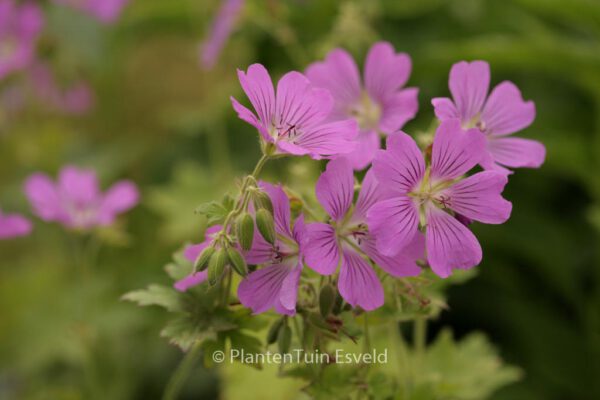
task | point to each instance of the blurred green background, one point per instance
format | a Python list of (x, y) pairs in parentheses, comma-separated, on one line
[(166, 123)]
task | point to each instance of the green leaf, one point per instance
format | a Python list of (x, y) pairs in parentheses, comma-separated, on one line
[(214, 212), (156, 295)]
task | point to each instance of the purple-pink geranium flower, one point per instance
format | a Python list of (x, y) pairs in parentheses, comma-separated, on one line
[(275, 285), (105, 11), (433, 196), (20, 25), (498, 115), (294, 119), (330, 245), (76, 201), (191, 253), (13, 225), (220, 30), (379, 103)]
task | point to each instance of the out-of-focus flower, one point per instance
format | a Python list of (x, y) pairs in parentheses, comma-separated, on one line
[(381, 105), (76, 200), (295, 119), (220, 30), (13, 225), (77, 99), (432, 196), (191, 253), (498, 115), (276, 284), (330, 245), (20, 25), (105, 11)]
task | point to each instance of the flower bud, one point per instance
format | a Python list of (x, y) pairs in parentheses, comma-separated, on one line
[(266, 225), (284, 339), (262, 201), (216, 266), (237, 262), (201, 262), (326, 300), (273, 333), (245, 231)]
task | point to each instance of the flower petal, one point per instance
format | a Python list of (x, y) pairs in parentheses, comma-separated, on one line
[(14, 225), (469, 84), (455, 151), (394, 223), (322, 252), (398, 109), (505, 112), (246, 115), (261, 290), (444, 108), (516, 152), (479, 197), (335, 188), (121, 197), (401, 166), (79, 186), (191, 280), (338, 74), (358, 283), (450, 244), (366, 146), (402, 264), (385, 71), (258, 87), (44, 198), (370, 193), (281, 208), (324, 141), (288, 295)]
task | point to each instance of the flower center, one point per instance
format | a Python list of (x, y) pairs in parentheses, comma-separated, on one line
[(366, 112)]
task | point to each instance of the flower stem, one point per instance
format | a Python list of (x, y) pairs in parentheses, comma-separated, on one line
[(182, 372), (419, 336)]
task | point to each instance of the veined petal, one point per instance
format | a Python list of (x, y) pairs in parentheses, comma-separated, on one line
[(370, 193), (455, 151), (299, 105), (335, 188), (322, 252), (450, 244), (358, 283), (398, 109), (281, 208), (394, 222), (120, 197), (246, 115), (79, 186), (516, 152), (258, 87), (479, 197), (469, 84), (385, 71), (261, 290), (444, 108), (401, 165), (288, 295), (505, 111), (339, 74), (366, 146), (402, 264), (324, 141), (261, 251)]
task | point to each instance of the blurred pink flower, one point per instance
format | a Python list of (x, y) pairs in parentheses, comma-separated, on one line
[(220, 30), (106, 11), (20, 26), (76, 201), (13, 225), (379, 102)]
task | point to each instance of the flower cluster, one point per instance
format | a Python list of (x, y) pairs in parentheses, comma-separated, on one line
[(414, 204)]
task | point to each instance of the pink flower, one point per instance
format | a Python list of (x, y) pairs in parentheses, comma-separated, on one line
[(433, 196), (294, 120), (498, 115), (13, 225), (76, 201), (20, 26), (276, 284), (106, 11), (330, 245), (380, 105), (219, 32), (191, 253)]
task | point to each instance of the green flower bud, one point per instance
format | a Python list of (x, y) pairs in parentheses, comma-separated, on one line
[(245, 231), (337, 306), (273, 333), (216, 266), (266, 225), (201, 262), (284, 339), (326, 300), (237, 261), (262, 201)]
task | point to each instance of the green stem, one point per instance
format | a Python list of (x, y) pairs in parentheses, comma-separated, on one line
[(419, 336), (182, 373)]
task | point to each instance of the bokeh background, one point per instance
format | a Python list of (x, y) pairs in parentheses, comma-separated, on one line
[(163, 120)]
